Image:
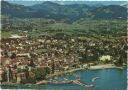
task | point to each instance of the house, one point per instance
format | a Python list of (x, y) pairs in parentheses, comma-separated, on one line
[(23, 55), (20, 77), (1, 73), (15, 36)]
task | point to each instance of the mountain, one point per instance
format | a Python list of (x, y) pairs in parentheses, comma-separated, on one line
[(14, 10), (90, 3), (110, 12), (125, 4), (70, 13), (47, 10), (57, 11)]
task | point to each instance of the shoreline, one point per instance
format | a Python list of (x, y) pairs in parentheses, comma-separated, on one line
[(105, 66), (96, 67)]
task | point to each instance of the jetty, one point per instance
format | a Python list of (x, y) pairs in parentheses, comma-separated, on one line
[(82, 84), (95, 78), (54, 83), (64, 82)]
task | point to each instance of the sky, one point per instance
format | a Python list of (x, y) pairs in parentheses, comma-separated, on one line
[(32, 2)]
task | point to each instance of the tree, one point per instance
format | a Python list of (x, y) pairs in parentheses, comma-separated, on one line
[(13, 56), (53, 66), (31, 63), (40, 73)]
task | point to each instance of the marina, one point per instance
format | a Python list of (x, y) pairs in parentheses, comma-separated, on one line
[(94, 79)]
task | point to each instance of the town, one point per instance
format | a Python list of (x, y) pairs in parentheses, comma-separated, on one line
[(28, 60)]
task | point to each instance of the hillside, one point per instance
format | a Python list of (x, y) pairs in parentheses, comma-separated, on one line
[(50, 18), (68, 13)]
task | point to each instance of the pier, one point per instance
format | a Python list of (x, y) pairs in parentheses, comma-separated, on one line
[(81, 84)]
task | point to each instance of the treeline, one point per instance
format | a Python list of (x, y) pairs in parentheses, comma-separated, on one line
[(39, 26)]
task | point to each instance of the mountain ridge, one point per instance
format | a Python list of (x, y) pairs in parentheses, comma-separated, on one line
[(56, 11)]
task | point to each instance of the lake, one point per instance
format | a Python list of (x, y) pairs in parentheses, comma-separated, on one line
[(110, 79)]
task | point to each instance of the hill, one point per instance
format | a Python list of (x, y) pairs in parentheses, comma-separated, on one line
[(68, 13)]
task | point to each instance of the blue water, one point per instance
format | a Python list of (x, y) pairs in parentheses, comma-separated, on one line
[(110, 79)]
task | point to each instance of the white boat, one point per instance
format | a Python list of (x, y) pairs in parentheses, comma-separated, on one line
[(94, 79)]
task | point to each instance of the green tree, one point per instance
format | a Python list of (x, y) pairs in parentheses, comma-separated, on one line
[(40, 73)]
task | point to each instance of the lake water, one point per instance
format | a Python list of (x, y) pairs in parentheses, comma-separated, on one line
[(110, 79)]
